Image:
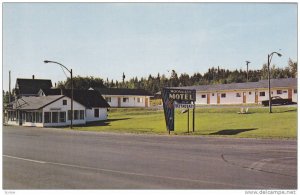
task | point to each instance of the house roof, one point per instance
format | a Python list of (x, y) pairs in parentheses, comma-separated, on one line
[(31, 86), (123, 91), (35, 103), (88, 98), (275, 83)]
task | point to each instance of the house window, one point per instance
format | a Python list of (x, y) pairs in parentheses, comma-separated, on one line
[(81, 117), (76, 114), (108, 99), (54, 117), (96, 112), (69, 115), (65, 102), (238, 94), (262, 93), (125, 99), (38, 117), (47, 117), (62, 117), (203, 96), (139, 100), (279, 91), (223, 95), (29, 117), (295, 90)]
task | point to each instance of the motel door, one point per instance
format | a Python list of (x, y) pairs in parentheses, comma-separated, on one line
[(256, 97), (218, 98), (290, 93), (208, 98), (146, 102), (244, 97), (119, 102)]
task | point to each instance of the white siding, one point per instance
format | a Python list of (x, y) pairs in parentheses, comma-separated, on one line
[(133, 101), (90, 114), (59, 107)]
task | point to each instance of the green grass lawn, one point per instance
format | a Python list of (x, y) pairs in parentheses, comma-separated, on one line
[(282, 123)]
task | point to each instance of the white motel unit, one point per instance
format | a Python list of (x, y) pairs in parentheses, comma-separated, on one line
[(245, 93), (123, 97)]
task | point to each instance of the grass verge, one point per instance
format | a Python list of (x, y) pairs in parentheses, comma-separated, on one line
[(282, 123)]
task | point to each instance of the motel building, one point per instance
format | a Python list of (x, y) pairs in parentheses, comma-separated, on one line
[(125, 98), (245, 93)]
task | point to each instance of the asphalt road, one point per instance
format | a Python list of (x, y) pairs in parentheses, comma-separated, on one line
[(42, 158)]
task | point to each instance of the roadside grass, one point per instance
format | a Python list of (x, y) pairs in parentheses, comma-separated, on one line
[(258, 123)]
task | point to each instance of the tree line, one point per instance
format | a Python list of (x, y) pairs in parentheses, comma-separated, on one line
[(214, 75), (154, 84)]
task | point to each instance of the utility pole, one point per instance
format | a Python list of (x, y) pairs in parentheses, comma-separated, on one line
[(9, 83), (247, 62)]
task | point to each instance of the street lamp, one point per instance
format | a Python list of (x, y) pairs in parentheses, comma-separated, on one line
[(247, 62), (70, 71), (269, 79)]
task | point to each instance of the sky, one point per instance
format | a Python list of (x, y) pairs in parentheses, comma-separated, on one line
[(106, 39)]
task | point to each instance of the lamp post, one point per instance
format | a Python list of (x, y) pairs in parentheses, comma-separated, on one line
[(269, 79), (70, 71), (247, 62)]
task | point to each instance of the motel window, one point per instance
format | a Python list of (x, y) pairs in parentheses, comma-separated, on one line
[(262, 93), (284, 91), (212, 94), (54, 117), (47, 117), (203, 96), (96, 112), (139, 100), (76, 114), (125, 99), (108, 99), (64, 102), (295, 90), (279, 91), (62, 117), (238, 94), (250, 93), (81, 115), (223, 95)]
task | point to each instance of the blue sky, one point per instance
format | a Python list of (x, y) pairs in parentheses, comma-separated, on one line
[(106, 39)]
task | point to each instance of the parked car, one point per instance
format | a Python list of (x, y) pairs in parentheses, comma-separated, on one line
[(276, 100)]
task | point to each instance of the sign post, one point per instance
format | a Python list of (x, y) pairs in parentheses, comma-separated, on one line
[(177, 98)]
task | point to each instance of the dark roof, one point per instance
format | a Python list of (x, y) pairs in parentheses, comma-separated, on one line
[(88, 98), (35, 103), (31, 86), (123, 91), (262, 84)]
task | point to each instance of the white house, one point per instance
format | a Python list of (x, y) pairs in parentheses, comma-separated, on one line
[(55, 110), (245, 93), (123, 97)]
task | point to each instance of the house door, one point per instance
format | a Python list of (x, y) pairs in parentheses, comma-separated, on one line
[(218, 98), (119, 102), (290, 94), (256, 97), (208, 98), (146, 102), (244, 97)]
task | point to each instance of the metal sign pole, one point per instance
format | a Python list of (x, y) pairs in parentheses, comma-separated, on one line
[(188, 120), (194, 117)]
